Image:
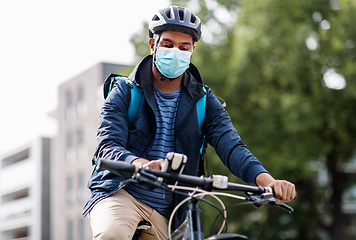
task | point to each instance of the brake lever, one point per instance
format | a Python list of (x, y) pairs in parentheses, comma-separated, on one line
[(286, 207), (267, 198), (260, 199)]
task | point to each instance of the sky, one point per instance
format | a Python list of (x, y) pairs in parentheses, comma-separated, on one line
[(44, 43)]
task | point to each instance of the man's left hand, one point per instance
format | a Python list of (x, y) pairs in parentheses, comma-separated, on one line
[(284, 190)]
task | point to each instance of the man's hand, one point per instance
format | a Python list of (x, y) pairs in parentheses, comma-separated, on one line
[(154, 164), (284, 190)]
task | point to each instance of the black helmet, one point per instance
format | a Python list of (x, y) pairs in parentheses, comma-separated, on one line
[(175, 18)]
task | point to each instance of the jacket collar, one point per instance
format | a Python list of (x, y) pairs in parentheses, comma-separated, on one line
[(192, 82)]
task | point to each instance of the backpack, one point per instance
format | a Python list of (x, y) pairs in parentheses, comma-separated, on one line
[(135, 101)]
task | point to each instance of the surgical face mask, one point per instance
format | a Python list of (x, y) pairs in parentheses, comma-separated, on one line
[(172, 62)]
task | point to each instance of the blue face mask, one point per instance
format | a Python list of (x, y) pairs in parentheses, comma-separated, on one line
[(172, 62)]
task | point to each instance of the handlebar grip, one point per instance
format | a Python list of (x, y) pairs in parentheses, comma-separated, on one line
[(118, 167), (269, 189)]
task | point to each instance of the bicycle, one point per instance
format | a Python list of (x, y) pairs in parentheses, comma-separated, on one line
[(192, 227)]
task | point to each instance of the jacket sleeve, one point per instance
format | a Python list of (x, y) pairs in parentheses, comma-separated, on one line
[(227, 143), (112, 133)]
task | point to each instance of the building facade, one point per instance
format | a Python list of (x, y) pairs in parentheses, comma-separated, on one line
[(25, 192), (77, 115)]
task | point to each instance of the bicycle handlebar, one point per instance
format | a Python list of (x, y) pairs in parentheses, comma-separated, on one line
[(125, 169), (120, 168), (218, 182)]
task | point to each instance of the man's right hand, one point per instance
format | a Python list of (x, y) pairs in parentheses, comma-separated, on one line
[(154, 164)]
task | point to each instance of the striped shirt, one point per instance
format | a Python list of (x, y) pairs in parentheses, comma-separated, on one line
[(166, 109)]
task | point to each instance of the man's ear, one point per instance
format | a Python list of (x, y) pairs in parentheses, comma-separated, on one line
[(192, 53), (151, 42)]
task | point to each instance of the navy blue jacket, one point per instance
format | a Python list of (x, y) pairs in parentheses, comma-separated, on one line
[(120, 142)]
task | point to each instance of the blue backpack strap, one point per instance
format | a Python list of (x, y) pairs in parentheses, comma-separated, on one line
[(135, 102), (135, 94), (200, 105), (135, 98)]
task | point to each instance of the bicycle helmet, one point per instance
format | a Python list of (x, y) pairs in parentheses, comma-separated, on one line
[(176, 18)]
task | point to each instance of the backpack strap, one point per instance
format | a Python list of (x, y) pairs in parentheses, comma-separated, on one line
[(201, 109), (203, 155), (135, 97), (135, 101)]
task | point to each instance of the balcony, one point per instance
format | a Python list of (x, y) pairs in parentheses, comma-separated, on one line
[(15, 209), (17, 176), (20, 233)]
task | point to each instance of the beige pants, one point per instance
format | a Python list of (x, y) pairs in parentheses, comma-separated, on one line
[(116, 218)]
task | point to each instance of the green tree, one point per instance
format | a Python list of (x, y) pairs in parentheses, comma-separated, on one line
[(282, 53)]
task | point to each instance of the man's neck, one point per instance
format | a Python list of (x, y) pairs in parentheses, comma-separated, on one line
[(167, 85)]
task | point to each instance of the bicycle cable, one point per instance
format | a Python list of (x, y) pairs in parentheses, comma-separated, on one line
[(203, 193), (216, 218)]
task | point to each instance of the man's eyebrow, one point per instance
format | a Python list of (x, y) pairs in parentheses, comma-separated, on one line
[(187, 43), (169, 40)]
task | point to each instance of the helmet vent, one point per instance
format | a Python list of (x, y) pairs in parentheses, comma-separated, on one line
[(192, 19), (168, 14), (155, 18), (181, 15)]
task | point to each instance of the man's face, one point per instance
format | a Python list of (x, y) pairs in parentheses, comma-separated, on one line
[(171, 39)]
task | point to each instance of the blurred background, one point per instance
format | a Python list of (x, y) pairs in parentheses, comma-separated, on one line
[(287, 70)]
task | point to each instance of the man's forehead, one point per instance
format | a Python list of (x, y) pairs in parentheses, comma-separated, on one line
[(174, 36)]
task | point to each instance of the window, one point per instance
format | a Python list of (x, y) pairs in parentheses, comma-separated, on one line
[(80, 93), (70, 229), (81, 229), (19, 194), (70, 190), (81, 104), (70, 150), (81, 188), (23, 155), (81, 147), (70, 111)]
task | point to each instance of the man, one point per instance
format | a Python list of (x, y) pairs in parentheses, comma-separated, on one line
[(166, 121)]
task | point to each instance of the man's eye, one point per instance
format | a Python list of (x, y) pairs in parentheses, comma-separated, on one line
[(184, 48), (167, 45)]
